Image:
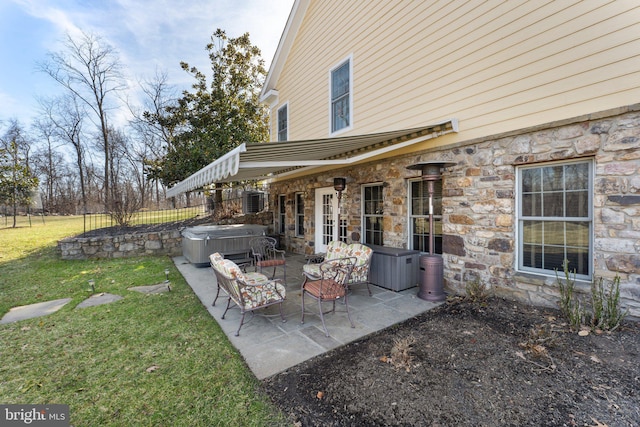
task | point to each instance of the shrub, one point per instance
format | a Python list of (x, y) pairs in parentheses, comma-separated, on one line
[(607, 314), (570, 305), (401, 353), (604, 311), (476, 291)]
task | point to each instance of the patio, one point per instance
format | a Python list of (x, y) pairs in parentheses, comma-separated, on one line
[(270, 346)]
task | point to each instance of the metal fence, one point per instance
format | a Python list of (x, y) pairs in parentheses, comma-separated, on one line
[(234, 203), (95, 221)]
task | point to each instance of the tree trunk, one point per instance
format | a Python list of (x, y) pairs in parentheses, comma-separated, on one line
[(217, 198), (108, 197)]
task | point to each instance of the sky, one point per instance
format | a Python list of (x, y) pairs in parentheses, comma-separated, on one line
[(149, 36)]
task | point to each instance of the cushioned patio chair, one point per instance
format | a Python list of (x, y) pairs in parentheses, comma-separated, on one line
[(248, 291), (337, 249), (266, 255), (329, 286), (250, 276)]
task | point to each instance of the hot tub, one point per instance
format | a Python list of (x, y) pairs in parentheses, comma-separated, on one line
[(230, 240)]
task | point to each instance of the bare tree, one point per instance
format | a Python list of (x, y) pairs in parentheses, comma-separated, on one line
[(127, 194), (47, 161), (66, 116), (90, 69), (66, 191), (150, 126)]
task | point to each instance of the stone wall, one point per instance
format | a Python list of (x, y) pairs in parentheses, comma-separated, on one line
[(122, 246), (479, 206), (479, 203), (134, 244)]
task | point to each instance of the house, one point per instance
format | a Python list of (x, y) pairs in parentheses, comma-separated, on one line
[(532, 109)]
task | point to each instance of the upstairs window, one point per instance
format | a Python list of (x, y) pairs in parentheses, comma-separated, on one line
[(341, 97), (283, 123), (555, 218)]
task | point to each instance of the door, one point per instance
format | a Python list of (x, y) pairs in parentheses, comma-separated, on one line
[(326, 217)]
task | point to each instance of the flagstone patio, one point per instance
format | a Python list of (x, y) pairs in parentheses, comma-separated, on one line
[(270, 346)]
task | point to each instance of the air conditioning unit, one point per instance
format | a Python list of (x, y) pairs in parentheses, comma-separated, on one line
[(252, 202)]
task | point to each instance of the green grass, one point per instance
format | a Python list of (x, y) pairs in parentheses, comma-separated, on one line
[(146, 360)]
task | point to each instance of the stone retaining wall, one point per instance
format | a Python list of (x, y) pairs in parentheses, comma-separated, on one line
[(134, 244), (122, 246)]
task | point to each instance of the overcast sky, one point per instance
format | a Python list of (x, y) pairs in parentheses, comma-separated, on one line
[(148, 35)]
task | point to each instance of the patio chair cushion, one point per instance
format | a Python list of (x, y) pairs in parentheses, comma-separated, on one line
[(270, 262), (360, 252), (259, 295), (312, 270), (231, 269), (327, 289), (249, 291), (336, 249), (255, 278), (216, 256)]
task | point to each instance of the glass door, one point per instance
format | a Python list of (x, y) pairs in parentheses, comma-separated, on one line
[(326, 217)]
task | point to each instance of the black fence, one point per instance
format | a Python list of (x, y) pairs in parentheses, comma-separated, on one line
[(95, 221)]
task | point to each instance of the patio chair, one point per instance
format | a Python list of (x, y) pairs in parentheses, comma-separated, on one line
[(249, 292), (250, 276), (360, 273), (329, 286), (265, 255), (338, 249)]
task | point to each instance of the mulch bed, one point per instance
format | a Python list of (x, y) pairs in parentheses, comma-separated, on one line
[(499, 363)]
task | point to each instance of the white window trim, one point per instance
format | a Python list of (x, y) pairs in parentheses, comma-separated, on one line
[(351, 86), (518, 215), (362, 208), (277, 136), (409, 194), (297, 223), (282, 225)]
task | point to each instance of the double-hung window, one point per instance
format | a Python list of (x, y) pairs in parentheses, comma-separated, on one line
[(555, 218), (299, 214), (283, 123), (373, 210), (341, 96), (419, 237), (282, 213)]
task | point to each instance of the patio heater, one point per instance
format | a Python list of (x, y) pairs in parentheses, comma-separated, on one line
[(431, 265)]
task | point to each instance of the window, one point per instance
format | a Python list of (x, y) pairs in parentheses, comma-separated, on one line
[(341, 97), (282, 213), (299, 214), (419, 216), (252, 201), (555, 218), (283, 123), (372, 212)]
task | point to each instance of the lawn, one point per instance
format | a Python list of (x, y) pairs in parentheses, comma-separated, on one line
[(144, 360)]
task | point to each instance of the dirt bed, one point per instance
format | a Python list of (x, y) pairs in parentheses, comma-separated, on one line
[(501, 363)]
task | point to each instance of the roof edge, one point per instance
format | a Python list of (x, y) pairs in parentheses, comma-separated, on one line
[(298, 11)]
